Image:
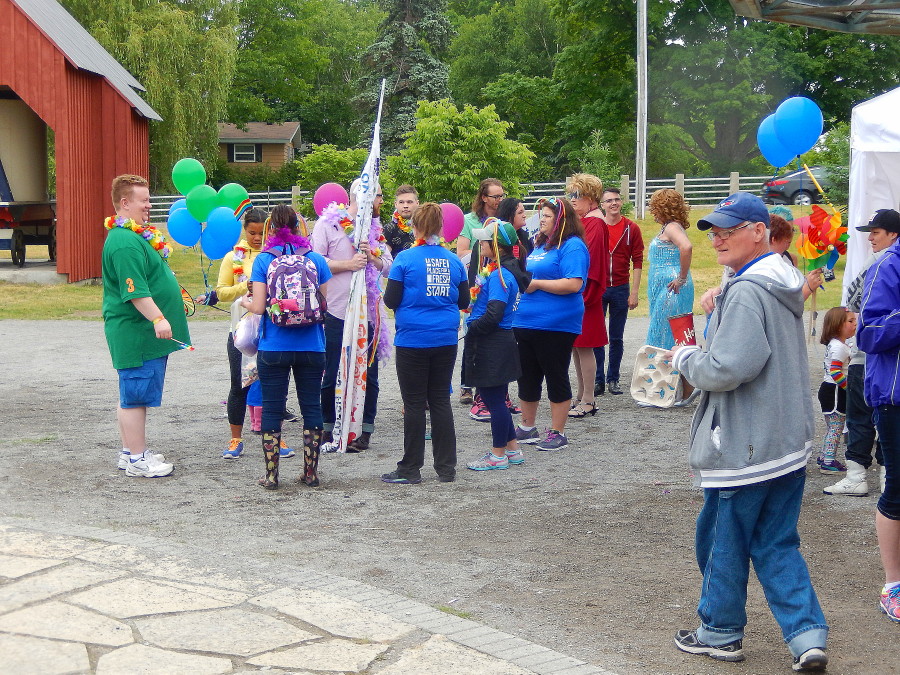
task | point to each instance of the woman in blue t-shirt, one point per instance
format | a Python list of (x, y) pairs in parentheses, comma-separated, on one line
[(491, 356), (288, 349), (548, 320), (426, 289)]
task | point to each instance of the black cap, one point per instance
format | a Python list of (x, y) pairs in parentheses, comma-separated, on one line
[(884, 219)]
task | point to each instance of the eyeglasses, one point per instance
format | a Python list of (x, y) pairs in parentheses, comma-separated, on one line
[(725, 234), (574, 195), (500, 196), (612, 201)]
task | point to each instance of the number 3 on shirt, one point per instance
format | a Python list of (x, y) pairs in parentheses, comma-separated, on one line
[(129, 285)]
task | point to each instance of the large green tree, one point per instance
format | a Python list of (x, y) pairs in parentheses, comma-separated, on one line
[(184, 54), (451, 150), (408, 52)]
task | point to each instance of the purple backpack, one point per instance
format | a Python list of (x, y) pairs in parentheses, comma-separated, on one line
[(293, 295)]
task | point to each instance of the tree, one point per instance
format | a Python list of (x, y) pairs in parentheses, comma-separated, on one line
[(184, 55), (833, 153), (411, 42), (451, 151)]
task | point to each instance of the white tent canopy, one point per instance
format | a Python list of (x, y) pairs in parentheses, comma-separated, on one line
[(874, 171)]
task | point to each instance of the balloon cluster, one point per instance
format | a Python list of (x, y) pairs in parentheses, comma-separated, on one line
[(333, 193), (202, 204), (822, 237), (790, 131)]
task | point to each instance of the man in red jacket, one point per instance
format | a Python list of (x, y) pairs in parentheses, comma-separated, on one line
[(626, 252)]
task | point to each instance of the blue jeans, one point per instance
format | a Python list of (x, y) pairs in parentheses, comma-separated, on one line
[(756, 522), (275, 369), (334, 336), (887, 420), (615, 302)]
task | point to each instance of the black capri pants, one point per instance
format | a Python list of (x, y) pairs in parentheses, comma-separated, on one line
[(545, 355)]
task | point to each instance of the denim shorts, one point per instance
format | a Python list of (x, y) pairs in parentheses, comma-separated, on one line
[(142, 386)]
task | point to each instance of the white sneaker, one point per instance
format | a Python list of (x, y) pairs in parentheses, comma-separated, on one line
[(853, 485), (125, 458), (148, 467)]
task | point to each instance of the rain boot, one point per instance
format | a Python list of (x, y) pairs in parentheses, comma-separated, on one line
[(271, 442), (311, 440), (853, 485)]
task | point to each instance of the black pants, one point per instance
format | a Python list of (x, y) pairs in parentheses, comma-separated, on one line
[(425, 376), (545, 355), (237, 395), (334, 334), (860, 427)]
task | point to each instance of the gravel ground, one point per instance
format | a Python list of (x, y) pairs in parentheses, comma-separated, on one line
[(588, 551)]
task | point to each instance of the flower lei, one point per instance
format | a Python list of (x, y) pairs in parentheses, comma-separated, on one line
[(153, 236), (237, 263), (482, 278), (402, 223), (433, 240)]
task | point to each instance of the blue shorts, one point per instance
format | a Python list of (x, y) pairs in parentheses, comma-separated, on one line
[(142, 387)]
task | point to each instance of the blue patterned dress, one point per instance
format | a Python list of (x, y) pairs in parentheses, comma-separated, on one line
[(665, 266)]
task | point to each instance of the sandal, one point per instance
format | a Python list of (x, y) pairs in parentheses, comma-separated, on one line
[(583, 411)]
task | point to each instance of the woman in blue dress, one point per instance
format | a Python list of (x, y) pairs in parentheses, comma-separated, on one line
[(670, 288)]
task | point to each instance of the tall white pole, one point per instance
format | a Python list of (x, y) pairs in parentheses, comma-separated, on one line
[(641, 150)]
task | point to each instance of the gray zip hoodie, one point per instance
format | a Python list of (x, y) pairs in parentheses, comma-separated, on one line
[(755, 420)]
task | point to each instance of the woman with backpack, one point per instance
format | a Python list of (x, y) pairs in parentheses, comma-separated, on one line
[(288, 289)]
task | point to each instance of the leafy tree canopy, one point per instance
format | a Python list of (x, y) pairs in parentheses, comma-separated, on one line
[(451, 150)]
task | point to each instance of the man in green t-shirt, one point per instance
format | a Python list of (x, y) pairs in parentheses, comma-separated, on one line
[(143, 316)]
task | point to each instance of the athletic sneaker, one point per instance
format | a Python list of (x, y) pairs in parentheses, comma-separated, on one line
[(148, 467), (465, 396), (811, 660), (512, 407), (396, 478), (234, 449), (479, 411), (515, 456), (530, 436), (489, 461), (687, 641), (890, 603), (285, 451), (554, 441), (124, 458), (290, 416), (831, 466)]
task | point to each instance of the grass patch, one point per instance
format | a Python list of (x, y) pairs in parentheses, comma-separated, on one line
[(455, 612), (29, 441), (33, 301)]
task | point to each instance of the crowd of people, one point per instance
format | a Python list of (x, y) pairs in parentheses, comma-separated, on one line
[(528, 304)]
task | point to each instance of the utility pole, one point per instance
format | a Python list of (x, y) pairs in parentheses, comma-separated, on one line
[(640, 197)]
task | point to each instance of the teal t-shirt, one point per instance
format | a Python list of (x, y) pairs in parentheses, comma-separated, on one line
[(494, 290), (471, 221), (541, 310), (133, 269), (428, 315)]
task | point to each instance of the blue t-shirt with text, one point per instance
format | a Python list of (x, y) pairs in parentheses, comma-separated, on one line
[(494, 290), (289, 338), (428, 315), (541, 310)]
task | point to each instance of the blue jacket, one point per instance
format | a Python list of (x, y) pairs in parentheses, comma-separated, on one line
[(878, 333)]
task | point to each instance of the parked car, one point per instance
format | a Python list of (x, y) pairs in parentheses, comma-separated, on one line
[(796, 187)]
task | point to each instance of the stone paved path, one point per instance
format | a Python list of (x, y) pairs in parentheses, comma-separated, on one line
[(87, 600)]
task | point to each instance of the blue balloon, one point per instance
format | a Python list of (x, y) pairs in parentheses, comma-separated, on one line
[(769, 145), (180, 204), (183, 227), (798, 124), (221, 234)]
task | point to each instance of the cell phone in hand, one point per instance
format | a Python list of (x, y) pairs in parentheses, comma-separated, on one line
[(828, 274)]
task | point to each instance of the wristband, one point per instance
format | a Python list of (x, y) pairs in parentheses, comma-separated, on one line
[(158, 319)]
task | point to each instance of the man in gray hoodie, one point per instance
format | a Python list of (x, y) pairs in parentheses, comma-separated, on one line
[(753, 370)]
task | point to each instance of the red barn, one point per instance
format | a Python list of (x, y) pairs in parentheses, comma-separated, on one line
[(53, 65)]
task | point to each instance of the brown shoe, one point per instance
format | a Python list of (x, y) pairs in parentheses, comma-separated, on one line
[(360, 443), (466, 397)]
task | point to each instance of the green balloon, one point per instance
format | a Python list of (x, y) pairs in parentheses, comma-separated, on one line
[(187, 174), (232, 195), (201, 201)]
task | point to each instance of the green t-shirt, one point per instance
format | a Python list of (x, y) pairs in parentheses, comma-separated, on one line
[(470, 222), (132, 269)]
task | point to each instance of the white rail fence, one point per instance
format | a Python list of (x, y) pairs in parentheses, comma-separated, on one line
[(697, 192)]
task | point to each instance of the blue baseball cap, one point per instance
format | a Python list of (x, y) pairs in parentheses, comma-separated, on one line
[(734, 210)]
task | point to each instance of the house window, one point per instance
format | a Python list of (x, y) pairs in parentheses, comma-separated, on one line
[(246, 152)]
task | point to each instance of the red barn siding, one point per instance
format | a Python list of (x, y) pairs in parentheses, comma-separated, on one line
[(98, 136)]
